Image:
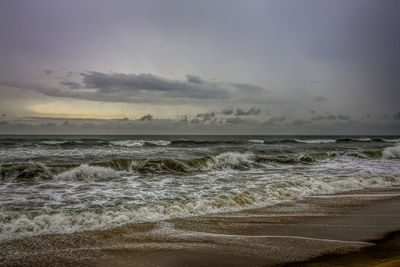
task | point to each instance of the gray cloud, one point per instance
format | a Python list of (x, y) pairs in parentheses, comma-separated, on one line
[(194, 79), (327, 117), (343, 117), (71, 85), (248, 87), (251, 111), (147, 117), (235, 120), (195, 120), (397, 116), (48, 72), (110, 83), (300, 122), (314, 82), (206, 116), (276, 119), (184, 119), (320, 99), (227, 111)]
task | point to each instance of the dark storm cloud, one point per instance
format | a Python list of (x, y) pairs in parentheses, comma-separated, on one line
[(109, 83), (251, 111), (147, 117), (140, 88)]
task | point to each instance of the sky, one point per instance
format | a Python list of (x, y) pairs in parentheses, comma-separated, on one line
[(200, 67)]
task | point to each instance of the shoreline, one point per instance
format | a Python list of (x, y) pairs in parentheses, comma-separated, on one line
[(384, 252), (282, 234)]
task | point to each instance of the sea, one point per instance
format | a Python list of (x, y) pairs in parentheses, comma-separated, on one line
[(72, 183)]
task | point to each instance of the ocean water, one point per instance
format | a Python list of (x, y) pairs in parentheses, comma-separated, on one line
[(63, 184)]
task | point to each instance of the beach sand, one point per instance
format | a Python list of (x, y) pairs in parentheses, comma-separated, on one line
[(339, 227)]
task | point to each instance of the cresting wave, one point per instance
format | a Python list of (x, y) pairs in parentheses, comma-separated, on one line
[(391, 152), (228, 160)]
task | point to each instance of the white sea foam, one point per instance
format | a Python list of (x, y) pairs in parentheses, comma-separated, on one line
[(257, 141), (364, 139), (316, 141), (233, 160), (158, 142), (391, 152), (140, 143), (53, 142), (391, 140), (86, 172), (128, 143), (17, 224)]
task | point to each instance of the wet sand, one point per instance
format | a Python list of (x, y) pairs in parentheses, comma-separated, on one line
[(274, 235)]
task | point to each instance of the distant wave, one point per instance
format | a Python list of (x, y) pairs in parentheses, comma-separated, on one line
[(140, 143), (257, 141), (316, 141), (187, 142)]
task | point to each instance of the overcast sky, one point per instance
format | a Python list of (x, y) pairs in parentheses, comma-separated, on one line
[(206, 67)]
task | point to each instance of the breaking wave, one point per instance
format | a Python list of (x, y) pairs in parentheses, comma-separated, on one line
[(391, 152), (86, 172), (228, 160)]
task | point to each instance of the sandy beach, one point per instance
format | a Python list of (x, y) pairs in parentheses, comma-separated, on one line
[(274, 235)]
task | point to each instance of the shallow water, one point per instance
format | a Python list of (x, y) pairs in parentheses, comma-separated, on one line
[(60, 184)]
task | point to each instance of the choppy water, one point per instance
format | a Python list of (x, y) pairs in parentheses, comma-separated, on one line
[(61, 184)]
